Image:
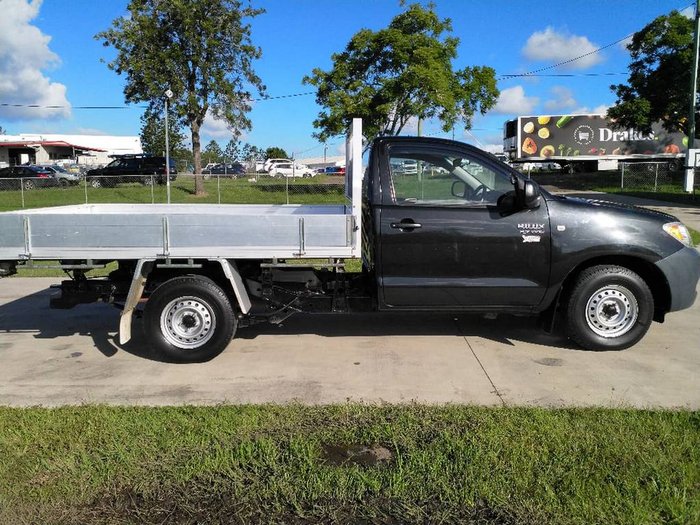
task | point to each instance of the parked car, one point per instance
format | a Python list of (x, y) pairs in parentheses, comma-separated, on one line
[(270, 163), (131, 168), (31, 177), (335, 170), (64, 177), (291, 170), (227, 170)]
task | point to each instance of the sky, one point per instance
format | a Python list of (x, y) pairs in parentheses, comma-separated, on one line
[(48, 56)]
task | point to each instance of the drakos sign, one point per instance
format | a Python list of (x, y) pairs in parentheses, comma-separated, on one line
[(608, 135)]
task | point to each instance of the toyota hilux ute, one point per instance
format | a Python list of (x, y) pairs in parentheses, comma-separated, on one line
[(462, 232)]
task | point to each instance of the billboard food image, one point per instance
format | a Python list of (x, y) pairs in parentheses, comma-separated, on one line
[(592, 135)]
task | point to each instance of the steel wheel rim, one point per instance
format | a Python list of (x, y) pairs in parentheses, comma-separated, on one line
[(188, 322), (612, 311)]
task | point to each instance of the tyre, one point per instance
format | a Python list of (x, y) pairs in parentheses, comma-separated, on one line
[(189, 319), (28, 184), (96, 183), (609, 308), (148, 180)]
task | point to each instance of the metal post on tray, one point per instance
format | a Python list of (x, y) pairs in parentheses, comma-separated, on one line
[(168, 96)]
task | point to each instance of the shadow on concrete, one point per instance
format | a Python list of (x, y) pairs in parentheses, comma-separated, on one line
[(100, 322)]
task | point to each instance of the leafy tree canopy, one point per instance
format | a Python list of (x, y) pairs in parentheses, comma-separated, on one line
[(199, 49), (275, 152), (213, 153), (659, 80), (153, 133), (252, 153), (403, 71), (233, 150)]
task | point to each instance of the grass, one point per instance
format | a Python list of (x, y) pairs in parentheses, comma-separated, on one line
[(281, 464), (695, 235), (667, 193), (321, 189)]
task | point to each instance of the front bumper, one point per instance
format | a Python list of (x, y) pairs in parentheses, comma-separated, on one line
[(682, 272)]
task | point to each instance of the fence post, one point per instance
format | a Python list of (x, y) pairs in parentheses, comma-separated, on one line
[(656, 176), (622, 175), (286, 186), (153, 183), (85, 185), (218, 186), (21, 190)]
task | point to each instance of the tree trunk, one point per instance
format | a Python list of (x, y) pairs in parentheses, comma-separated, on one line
[(197, 153)]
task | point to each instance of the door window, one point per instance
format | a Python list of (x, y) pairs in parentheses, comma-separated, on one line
[(435, 178)]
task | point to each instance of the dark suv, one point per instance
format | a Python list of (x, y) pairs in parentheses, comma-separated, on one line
[(131, 168), (30, 176)]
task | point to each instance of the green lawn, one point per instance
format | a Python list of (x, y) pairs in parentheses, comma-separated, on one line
[(672, 193), (287, 464), (321, 189)]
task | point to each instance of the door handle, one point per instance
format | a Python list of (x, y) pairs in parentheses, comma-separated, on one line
[(406, 224)]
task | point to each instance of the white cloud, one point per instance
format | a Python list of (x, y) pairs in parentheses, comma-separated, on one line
[(215, 128), (563, 99), (513, 101), (24, 53), (602, 108), (623, 45), (553, 46), (688, 12)]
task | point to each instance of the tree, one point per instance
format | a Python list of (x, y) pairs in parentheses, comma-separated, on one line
[(232, 150), (275, 152), (153, 133), (213, 153), (657, 88), (403, 71), (2, 130), (199, 49)]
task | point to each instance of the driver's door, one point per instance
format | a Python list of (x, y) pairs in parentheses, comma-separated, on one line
[(445, 243)]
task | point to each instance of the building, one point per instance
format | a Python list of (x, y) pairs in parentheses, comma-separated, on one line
[(91, 150), (323, 162)]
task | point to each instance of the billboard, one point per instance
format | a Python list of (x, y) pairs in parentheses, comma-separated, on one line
[(554, 136)]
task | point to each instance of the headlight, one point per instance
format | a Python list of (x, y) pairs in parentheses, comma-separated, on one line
[(678, 231)]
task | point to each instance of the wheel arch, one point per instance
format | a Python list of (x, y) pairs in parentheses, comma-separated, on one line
[(223, 272), (650, 273)]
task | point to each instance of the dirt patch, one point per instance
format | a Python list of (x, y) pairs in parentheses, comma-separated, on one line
[(347, 455)]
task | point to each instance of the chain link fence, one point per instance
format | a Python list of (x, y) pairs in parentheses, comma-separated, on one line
[(247, 188), (646, 176)]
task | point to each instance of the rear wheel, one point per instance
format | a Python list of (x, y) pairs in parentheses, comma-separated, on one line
[(28, 184), (189, 319), (96, 183), (610, 308)]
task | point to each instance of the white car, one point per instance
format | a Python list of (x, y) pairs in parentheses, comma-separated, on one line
[(271, 163), (290, 170)]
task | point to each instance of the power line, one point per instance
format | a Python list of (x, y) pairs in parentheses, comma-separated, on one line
[(137, 106), (569, 61)]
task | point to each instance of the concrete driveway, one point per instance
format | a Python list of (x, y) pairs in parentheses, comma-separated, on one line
[(53, 357)]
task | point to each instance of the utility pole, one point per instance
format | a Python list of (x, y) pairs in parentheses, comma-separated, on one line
[(690, 162)]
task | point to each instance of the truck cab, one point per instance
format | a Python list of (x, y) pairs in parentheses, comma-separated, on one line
[(457, 233)]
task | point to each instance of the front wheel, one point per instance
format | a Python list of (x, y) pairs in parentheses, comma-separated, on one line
[(610, 308), (189, 319)]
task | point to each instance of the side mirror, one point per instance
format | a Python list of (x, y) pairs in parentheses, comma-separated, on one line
[(531, 195), (459, 189)]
